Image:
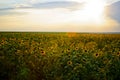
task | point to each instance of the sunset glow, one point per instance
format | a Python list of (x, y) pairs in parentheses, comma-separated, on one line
[(68, 15)]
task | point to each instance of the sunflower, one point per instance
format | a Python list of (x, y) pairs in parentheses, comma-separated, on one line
[(62, 51), (96, 55), (69, 62), (43, 53), (3, 42), (118, 54), (84, 49), (84, 60), (68, 50), (76, 48)]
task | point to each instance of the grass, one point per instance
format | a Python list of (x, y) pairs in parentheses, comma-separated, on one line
[(59, 56)]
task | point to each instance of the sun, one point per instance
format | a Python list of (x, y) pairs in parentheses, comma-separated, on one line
[(95, 9), (92, 11)]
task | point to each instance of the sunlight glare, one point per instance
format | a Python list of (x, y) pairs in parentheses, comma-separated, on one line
[(93, 11)]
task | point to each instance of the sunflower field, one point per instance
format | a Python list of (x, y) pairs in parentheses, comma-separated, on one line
[(59, 56)]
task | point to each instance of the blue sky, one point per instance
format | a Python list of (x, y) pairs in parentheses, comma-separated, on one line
[(58, 15)]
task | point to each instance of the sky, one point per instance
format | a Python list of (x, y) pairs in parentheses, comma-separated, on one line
[(60, 15)]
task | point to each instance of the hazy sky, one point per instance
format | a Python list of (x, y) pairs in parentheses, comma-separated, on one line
[(58, 15)]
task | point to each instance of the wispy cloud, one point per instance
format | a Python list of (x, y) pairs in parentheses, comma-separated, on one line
[(109, 2), (47, 5), (71, 5), (58, 4)]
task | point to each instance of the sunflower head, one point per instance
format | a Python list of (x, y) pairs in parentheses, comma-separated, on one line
[(69, 62), (118, 54), (68, 50), (43, 53), (76, 48), (96, 55)]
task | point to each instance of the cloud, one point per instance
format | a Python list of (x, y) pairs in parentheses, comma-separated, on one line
[(114, 11), (10, 11), (2, 9), (71, 5), (109, 2), (58, 4), (47, 5)]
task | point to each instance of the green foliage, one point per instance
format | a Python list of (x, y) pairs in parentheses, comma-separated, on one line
[(59, 56)]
